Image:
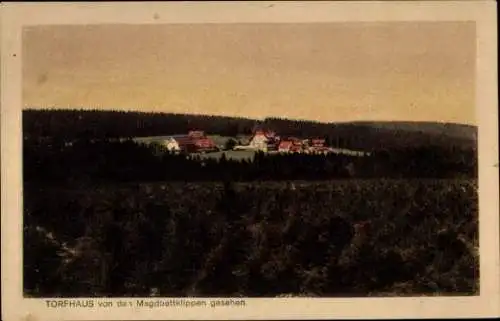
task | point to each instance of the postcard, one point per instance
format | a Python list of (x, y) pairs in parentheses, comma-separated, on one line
[(249, 160)]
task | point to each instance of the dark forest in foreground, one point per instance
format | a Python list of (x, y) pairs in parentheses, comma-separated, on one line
[(342, 238), (109, 218), (98, 162)]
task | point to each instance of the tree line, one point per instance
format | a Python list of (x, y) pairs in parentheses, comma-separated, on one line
[(85, 124), (81, 124), (126, 161)]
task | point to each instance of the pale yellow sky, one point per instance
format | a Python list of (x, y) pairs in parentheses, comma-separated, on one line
[(422, 71)]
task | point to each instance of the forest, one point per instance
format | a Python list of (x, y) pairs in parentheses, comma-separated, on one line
[(69, 145), (174, 239), (108, 217), (105, 161), (74, 124)]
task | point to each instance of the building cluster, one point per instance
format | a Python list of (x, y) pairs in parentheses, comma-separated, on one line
[(268, 141), (195, 141), (262, 140)]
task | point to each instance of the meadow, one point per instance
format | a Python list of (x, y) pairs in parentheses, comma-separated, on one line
[(229, 154), (355, 237)]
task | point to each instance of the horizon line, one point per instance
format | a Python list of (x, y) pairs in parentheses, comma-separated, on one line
[(87, 109)]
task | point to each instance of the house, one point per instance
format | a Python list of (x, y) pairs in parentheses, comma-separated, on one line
[(204, 144), (318, 142), (318, 146), (201, 142), (291, 145), (272, 144), (196, 134), (263, 140), (195, 141), (297, 145), (296, 148), (172, 145), (284, 146), (179, 143)]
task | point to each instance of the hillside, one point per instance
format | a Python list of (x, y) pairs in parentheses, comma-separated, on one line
[(74, 124), (447, 129)]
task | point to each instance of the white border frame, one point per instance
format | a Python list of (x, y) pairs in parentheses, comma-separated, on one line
[(15, 16)]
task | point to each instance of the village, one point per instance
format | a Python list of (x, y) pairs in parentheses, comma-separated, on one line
[(267, 141)]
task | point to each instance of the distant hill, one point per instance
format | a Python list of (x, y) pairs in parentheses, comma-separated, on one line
[(448, 129), (381, 135), (74, 124)]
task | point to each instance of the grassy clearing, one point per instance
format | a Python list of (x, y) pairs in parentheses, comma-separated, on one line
[(236, 155)]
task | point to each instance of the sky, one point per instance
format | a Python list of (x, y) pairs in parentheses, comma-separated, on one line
[(329, 72)]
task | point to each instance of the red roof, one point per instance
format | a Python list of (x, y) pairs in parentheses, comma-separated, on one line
[(267, 134), (190, 142), (204, 142), (285, 144), (318, 141), (183, 140), (196, 133)]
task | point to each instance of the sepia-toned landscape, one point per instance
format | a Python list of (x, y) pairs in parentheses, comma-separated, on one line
[(250, 160)]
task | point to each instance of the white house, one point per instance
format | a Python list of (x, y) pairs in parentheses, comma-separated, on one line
[(171, 144), (259, 141)]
